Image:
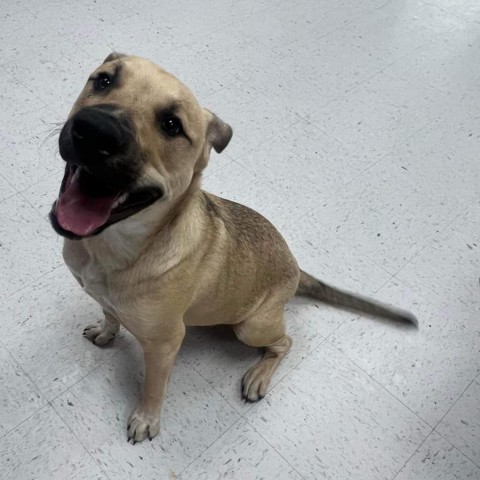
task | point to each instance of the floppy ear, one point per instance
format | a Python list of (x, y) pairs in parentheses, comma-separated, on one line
[(219, 133), (114, 56)]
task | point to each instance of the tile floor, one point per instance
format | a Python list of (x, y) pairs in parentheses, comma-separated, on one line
[(357, 132)]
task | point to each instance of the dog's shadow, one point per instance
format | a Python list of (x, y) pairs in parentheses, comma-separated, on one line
[(214, 344), (211, 351)]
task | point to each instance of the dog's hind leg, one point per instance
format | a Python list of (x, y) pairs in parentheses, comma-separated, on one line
[(103, 332), (266, 329)]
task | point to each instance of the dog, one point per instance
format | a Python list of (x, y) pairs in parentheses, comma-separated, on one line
[(156, 251)]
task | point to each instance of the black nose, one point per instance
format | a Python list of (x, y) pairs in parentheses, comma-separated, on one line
[(96, 133)]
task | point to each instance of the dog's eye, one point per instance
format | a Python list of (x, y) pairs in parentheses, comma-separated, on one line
[(172, 126), (102, 81)]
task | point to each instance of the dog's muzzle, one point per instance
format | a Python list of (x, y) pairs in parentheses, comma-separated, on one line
[(100, 139), (100, 185)]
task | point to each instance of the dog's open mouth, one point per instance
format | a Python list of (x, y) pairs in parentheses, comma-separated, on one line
[(82, 212)]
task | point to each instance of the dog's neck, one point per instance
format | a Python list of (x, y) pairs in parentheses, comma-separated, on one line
[(122, 244)]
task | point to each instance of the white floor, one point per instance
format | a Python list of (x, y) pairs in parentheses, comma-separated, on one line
[(357, 133)]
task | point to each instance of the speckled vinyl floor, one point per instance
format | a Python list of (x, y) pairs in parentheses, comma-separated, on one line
[(357, 134)]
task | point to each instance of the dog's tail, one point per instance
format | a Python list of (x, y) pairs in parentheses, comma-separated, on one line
[(309, 286)]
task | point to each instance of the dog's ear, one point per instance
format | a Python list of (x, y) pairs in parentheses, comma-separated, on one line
[(219, 133), (114, 56)]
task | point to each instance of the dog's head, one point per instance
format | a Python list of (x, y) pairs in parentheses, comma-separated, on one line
[(136, 135)]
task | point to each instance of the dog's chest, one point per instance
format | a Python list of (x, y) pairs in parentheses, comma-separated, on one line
[(94, 281), (91, 274)]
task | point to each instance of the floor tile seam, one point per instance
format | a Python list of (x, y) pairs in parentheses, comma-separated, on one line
[(43, 398), (325, 33), (208, 33), (8, 197), (309, 352), (200, 455), (57, 396), (274, 449), (350, 89), (92, 370), (432, 241), (209, 383), (458, 449), (384, 154), (238, 158), (445, 11), (359, 83), (363, 14), (334, 190), (250, 150), (24, 85), (45, 105), (296, 156), (331, 232), (389, 393), (38, 213), (45, 406), (221, 88), (454, 403), (476, 463), (288, 373), (353, 248), (30, 283), (271, 389), (238, 161), (413, 454), (78, 440), (430, 425), (42, 215), (438, 235), (402, 282), (261, 180), (393, 272), (68, 388), (207, 173)]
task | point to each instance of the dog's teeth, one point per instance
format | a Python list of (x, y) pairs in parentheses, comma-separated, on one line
[(120, 200)]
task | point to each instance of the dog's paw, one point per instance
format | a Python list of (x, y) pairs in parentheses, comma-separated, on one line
[(142, 425), (98, 334), (255, 382)]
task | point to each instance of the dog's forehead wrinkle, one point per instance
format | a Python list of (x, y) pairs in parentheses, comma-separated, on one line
[(112, 68), (149, 69), (159, 77), (177, 106)]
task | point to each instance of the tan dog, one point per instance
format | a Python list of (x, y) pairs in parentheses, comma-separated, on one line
[(157, 252)]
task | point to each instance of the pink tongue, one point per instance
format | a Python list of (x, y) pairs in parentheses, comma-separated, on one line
[(81, 214)]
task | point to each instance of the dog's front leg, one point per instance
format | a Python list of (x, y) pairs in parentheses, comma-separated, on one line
[(159, 356)]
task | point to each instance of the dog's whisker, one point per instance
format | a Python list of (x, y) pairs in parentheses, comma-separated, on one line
[(49, 134)]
